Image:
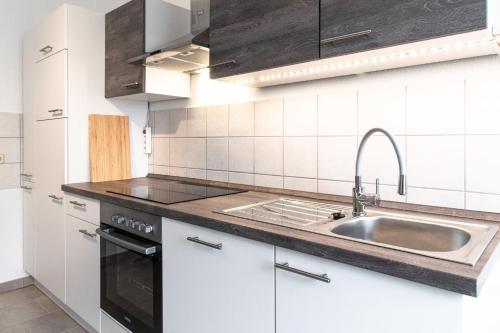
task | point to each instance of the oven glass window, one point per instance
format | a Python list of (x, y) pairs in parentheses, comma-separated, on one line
[(129, 282)]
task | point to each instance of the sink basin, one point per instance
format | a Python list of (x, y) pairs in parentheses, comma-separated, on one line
[(438, 238), (405, 233)]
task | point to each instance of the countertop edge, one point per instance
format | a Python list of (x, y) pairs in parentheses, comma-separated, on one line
[(442, 280)]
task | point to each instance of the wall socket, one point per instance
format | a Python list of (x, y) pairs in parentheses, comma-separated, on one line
[(2, 158)]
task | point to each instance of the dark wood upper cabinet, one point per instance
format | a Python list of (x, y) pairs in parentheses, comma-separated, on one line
[(252, 35), (125, 39), (350, 26)]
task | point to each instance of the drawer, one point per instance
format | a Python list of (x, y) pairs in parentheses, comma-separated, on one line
[(52, 34), (83, 208)]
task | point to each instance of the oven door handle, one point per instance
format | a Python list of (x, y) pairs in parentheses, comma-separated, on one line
[(146, 249)]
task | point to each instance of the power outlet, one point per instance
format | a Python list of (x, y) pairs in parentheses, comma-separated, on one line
[(147, 138), (2, 158)]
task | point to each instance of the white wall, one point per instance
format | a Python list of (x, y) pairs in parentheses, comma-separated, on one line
[(446, 118)]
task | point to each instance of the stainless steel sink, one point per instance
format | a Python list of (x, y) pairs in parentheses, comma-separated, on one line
[(447, 239), (444, 239), (404, 233)]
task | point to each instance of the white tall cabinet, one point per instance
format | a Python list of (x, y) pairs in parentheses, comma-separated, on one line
[(63, 73)]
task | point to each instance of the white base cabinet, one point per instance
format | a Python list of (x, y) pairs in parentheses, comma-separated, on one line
[(82, 270), (212, 290), (29, 227)]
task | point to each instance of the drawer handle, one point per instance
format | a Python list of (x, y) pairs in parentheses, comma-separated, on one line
[(55, 111), (26, 175), (286, 267), (344, 37), (47, 49), (130, 85), (26, 188), (225, 63), (86, 233), (55, 197), (199, 241), (78, 204)]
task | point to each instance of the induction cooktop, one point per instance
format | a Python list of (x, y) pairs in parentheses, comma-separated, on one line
[(173, 192)]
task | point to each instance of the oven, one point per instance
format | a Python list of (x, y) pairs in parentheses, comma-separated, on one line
[(131, 268)]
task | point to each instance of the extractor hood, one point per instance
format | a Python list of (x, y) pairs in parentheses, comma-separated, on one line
[(188, 52)]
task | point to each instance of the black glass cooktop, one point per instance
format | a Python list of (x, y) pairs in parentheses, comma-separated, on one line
[(173, 192)]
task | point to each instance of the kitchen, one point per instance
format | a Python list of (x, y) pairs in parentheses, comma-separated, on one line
[(250, 166)]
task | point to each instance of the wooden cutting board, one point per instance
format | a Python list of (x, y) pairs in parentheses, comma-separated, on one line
[(109, 148)]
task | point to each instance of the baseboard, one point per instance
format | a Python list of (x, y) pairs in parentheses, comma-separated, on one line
[(66, 309), (16, 284)]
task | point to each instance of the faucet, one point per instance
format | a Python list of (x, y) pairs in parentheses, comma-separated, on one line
[(361, 199)]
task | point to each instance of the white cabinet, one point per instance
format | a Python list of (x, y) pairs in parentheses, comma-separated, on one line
[(51, 86), (29, 227), (51, 34), (29, 107), (212, 290), (82, 270), (357, 300)]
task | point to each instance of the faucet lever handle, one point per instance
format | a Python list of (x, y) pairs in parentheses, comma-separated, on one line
[(377, 186)]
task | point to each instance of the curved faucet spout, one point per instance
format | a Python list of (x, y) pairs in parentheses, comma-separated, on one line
[(360, 199)]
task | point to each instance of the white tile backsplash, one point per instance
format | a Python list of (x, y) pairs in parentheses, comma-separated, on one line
[(436, 162), (301, 157), (269, 155), (338, 113), (241, 119), (301, 116), (482, 106), (218, 120), (482, 163), (448, 131), (382, 107), (269, 117), (337, 157), (241, 155), (436, 108), (217, 153)]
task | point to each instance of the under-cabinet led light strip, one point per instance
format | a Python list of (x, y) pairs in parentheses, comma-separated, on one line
[(474, 44)]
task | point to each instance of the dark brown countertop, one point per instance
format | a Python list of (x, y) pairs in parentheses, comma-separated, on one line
[(438, 273)]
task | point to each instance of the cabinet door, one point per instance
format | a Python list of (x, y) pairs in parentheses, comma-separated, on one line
[(224, 290), (50, 157), (51, 86), (82, 270), (29, 227), (29, 80), (50, 249), (125, 40), (349, 26), (357, 300), (51, 34), (252, 35)]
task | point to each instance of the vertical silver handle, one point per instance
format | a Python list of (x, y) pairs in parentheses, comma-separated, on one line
[(348, 36), (86, 233), (78, 204), (199, 241), (286, 267)]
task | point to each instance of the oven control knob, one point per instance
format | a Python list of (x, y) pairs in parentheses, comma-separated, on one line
[(118, 219), (148, 229), (135, 224), (121, 220), (141, 227), (129, 222)]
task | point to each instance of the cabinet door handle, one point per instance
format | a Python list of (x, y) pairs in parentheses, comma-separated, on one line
[(78, 204), (130, 85), (55, 197), (86, 233), (55, 111), (26, 175), (348, 36), (26, 188), (286, 267), (199, 241), (225, 63), (47, 49)]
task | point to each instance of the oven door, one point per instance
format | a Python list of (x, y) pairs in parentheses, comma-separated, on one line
[(131, 280)]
